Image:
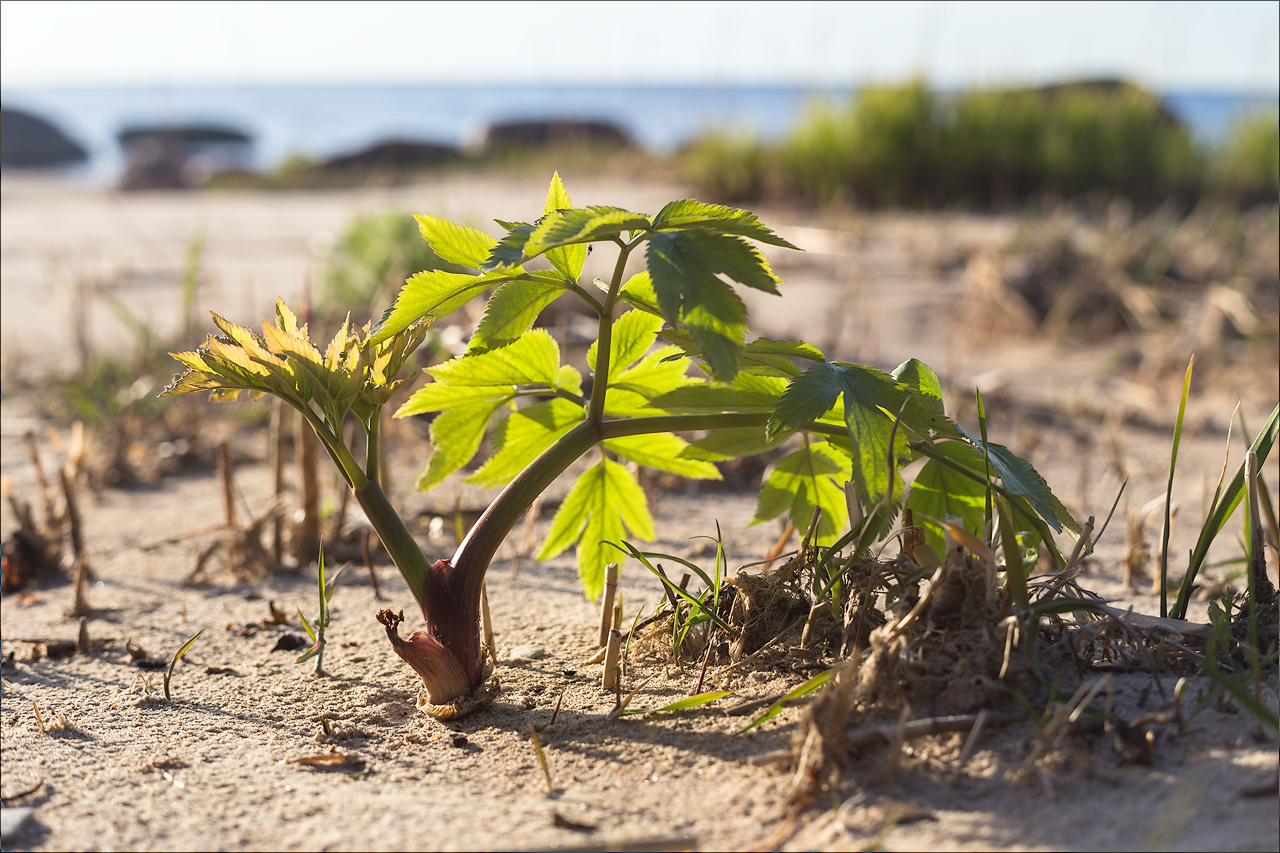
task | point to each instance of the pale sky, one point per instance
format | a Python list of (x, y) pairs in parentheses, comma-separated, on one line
[(1165, 45)]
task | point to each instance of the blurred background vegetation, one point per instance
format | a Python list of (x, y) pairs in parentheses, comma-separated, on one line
[(909, 146)]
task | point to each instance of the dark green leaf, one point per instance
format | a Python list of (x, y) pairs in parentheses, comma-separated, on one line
[(568, 227), (685, 267), (733, 443), (509, 251), (919, 377), (688, 213), (1019, 477)]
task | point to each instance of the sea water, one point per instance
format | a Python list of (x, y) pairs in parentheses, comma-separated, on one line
[(324, 121)]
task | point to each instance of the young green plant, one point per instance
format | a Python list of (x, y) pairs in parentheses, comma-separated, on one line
[(542, 416)]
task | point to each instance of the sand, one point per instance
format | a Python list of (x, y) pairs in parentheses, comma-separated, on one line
[(218, 766)]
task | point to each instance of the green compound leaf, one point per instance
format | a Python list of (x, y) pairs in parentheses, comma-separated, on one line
[(810, 477), (604, 503), (734, 443), (532, 359), (688, 213), (633, 333), (433, 293), (919, 377), (638, 293), (872, 401), (568, 259), (457, 244), (509, 251), (577, 226), (663, 451), (1020, 477), (440, 397), (523, 435), (684, 267), (511, 311), (939, 492), (455, 437)]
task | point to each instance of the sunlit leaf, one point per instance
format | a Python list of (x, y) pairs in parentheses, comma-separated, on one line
[(457, 244), (510, 312), (522, 436), (638, 293), (604, 503), (584, 225), (533, 359), (776, 708), (938, 492), (455, 438), (632, 335), (440, 397), (810, 477), (567, 259), (663, 451), (433, 293)]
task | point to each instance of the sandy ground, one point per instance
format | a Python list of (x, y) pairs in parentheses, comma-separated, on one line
[(217, 767)]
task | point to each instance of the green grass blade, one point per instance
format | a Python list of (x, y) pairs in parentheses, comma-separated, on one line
[(776, 708), (683, 704), (1168, 494), (1221, 511), (177, 656)]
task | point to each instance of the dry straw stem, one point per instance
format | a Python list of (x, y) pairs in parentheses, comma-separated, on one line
[(81, 606), (606, 603), (609, 681), (486, 620)]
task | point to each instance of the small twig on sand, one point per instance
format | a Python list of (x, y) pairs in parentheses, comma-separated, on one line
[(81, 606)]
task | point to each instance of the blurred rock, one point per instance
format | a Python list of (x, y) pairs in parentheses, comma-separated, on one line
[(179, 156), (393, 154), (553, 133), (29, 142)]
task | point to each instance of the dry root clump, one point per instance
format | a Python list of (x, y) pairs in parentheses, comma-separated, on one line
[(948, 656), (40, 545)]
